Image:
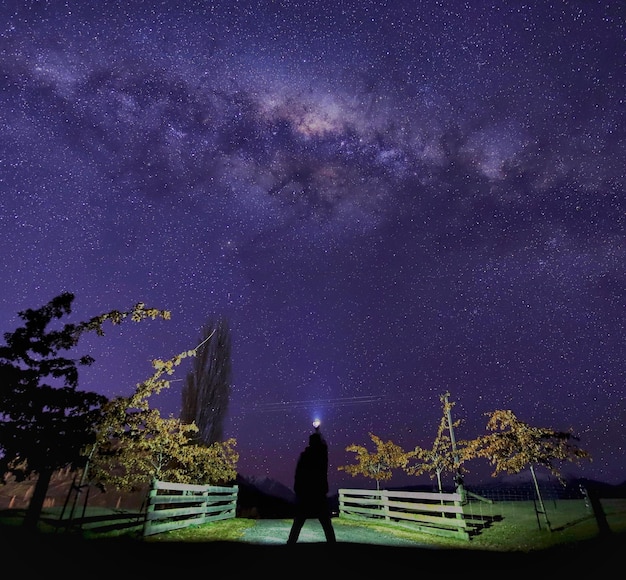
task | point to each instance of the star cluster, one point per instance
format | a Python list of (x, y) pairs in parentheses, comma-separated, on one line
[(387, 201)]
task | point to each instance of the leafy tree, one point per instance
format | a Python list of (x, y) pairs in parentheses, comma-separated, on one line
[(515, 445), (378, 465), (45, 422), (207, 387), (446, 454), (135, 444), (436, 460)]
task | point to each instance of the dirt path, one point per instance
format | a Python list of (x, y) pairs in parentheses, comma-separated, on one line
[(277, 531)]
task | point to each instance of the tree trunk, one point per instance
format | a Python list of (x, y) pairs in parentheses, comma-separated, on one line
[(443, 514), (35, 506), (439, 481)]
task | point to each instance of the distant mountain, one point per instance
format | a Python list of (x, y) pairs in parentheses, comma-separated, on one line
[(263, 498), (269, 487)]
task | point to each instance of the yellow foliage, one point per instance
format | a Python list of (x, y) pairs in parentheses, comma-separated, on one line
[(441, 457), (515, 445), (135, 444), (378, 465)]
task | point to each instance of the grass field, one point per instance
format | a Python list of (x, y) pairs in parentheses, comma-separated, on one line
[(513, 540), (509, 526), (516, 526)]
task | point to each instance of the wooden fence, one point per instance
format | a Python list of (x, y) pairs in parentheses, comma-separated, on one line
[(171, 506), (436, 513)]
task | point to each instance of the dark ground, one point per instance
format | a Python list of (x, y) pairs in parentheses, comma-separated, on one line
[(47, 554)]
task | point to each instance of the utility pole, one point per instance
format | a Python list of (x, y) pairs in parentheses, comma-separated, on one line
[(458, 476)]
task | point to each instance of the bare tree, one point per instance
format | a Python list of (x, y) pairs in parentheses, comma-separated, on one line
[(207, 386)]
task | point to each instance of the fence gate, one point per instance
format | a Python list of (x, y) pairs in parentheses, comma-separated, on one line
[(172, 506)]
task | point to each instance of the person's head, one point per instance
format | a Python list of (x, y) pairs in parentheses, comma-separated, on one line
[(315, 439)]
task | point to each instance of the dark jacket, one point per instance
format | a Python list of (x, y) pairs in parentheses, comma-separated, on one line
[(311, 479)]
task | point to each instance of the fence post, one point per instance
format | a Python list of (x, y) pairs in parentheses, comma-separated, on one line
[(385, 500), (149, 506), (205, 503)]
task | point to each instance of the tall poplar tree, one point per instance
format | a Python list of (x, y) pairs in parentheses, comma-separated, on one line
[(206, 392)]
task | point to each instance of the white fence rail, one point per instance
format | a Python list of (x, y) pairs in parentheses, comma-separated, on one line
[(172, 506), (436, 513)]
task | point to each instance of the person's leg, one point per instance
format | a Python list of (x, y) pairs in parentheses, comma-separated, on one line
[(294, 533), (327, 526)]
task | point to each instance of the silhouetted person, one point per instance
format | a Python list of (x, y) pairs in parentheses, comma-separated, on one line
[(311, 487)]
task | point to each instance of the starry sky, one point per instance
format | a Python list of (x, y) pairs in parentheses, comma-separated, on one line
[(387, 200)]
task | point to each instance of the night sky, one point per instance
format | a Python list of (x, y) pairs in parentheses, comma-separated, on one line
[(387, 200)]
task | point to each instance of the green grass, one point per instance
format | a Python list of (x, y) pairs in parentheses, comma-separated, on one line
[(513, 527), (510, 527), (230, 530), (516, 527)]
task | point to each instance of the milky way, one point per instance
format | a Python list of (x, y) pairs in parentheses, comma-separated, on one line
[(387, 201)]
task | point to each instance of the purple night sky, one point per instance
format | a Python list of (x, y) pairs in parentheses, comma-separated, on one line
[(387, 201)]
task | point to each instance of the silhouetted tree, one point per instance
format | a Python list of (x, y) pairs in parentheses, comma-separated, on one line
[(206, 392), (45, 422)]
